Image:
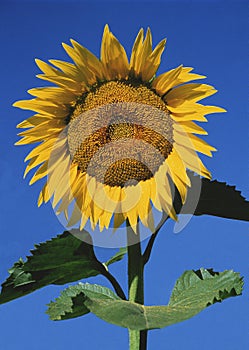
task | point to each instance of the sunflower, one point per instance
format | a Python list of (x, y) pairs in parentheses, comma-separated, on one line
[(113, 137)]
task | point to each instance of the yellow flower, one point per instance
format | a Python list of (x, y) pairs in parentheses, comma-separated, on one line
[(112, 136)]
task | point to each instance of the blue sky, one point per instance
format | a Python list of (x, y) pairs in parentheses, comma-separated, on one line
[(212, 37)]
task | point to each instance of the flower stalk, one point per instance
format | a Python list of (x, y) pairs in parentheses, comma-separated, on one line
[(137, 339)]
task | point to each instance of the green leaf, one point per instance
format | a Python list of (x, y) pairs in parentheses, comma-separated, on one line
[(205, 287), (193, 292), (117, 257), (70, 303), (61, 260), (215, 198)]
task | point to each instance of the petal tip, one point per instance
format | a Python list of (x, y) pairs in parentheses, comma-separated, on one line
[(74, 42), (223, 110), (15, 104), (106, 29), (148, 31)]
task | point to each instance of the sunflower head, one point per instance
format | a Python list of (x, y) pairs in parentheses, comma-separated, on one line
[(113, 137)]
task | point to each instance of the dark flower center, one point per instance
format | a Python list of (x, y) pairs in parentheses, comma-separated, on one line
[(120, 133)]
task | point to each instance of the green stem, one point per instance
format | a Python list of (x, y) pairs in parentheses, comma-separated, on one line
[(137, 339), (147, 252)]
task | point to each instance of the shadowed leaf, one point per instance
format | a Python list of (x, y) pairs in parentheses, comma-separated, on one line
[(213, 198), (61, 260), (66, 258)]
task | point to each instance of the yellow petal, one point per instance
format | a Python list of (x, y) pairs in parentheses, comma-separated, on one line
[(185, 76), (146, 49), (193, 111), (153, 61), (143, 205), (163, 198), (213, 109), (46, 68), (59, 171), (62, 186), (104, 220), (194, 142), (43, 131), (108, 198), (72, 53), (69, 69), (192, 91), (177, 171), (33, 121), (163, 187), (136, 52), (29, 139), (46, 155), (148, 221), (63, 194), (85, 215), (86, 75), (57, 94), (164, 82), (75, 216), (143, 52), (96, 212), (189, 127), (66, 83), (36, 161), (192, 161), (113, 56), (42, 106), (180, 185), (44, 195), (66, 199), (45, 146), (89, 60), (130, 197), (40, 173), (180, 117), (61, 189)]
